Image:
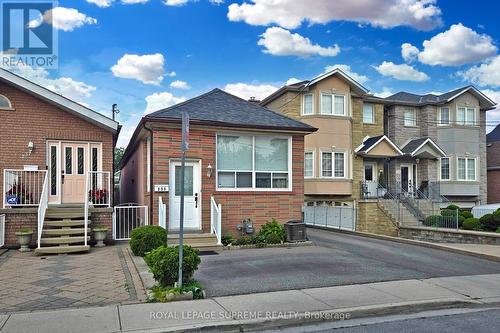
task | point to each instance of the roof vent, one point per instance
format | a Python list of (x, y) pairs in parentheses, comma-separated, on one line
[(254, 100)]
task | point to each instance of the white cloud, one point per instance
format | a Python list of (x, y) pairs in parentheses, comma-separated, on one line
[(420, 14), (171, 74), (246, 91), (409, 52), (457, 46), (401, 72), (62, 18), (487, 74), (386, 92), (347, 69), (101, 3), (133, 2), (158, 101), (66, 86), (178, 84), (146, 68), (175, 2), (492, 116), (280, 42), (292, 80)]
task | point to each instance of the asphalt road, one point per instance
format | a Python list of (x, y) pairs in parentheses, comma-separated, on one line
[(444, 321), (336, 259)]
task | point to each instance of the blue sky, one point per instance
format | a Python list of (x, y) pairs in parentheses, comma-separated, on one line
[(148, 54)]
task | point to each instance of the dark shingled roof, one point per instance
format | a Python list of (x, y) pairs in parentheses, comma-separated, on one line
[(406, 97), (218, 107), (370, 142), (412, 145), (493, 136)]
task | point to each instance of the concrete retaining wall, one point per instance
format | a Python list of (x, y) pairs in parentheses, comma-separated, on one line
[(449, 235)]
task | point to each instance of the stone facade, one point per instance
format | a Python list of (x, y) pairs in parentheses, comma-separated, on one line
[(449, 236), (372, 219)]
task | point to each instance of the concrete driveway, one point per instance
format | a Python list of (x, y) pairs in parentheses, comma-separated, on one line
[(335, 259)]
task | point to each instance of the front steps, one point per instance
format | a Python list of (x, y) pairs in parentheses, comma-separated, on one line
[(64, 231), (200, 241)]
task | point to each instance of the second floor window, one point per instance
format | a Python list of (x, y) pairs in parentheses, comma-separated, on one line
[(333, 165), (466, 116), (445, 168), (368, 113), (308, 104), (444, 116), (309, 164), (466, 169), (410, 118), (333, 104)]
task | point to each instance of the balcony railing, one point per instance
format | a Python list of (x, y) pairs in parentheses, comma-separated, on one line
[(22, 187), (98, 191)]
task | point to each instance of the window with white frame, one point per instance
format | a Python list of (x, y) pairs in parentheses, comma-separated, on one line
[(368, 113), (410, 118), (445, 168), (309, 164), (466, 116), (308, 107), (333, 104), (253, 162), (333, 164), (444, 116), (466, 169), (5, 103)]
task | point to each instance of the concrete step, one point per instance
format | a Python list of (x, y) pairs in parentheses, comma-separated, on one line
[(65, 231), (63, 240), (200, 246), (65, 223), (62, 249), (62, 214), (192, 239)]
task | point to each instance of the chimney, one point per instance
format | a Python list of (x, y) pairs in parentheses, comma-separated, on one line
[(253, 100)]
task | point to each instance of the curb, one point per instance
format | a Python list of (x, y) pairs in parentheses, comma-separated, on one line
[(313, 317), (437, 246)]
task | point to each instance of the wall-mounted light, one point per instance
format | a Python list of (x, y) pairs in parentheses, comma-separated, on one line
[(417, 160), (31, 146), (209, 170)]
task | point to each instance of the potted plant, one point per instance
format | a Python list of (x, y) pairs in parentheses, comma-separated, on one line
[(100, 232), (24, 238), (98, 197)]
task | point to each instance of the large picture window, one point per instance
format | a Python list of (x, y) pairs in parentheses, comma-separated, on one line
[(466, 116), (253, 162), (333, 164), (466, 169), (333, 104)]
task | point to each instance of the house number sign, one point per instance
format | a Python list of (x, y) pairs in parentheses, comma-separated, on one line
[(161, 188)]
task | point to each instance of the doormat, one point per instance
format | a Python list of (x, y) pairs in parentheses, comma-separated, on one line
[(208, 253)]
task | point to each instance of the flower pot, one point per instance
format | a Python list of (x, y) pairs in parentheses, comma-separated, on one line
[(24, 240), (100, 236)]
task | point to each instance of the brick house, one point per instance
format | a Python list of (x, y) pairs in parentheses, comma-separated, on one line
[(493, 158), (243, 159), (50, 146)]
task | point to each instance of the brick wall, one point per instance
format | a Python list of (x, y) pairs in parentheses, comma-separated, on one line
[(450, 236), (103, 216), (35, 120), (259, 206), (494, 186), (18, 218), (373, 220)]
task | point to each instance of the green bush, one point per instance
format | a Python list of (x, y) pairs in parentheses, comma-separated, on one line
[(489, 222), (453, 207), (147, 238), (433, 221), (466, 214), (227, 239), (461, 220), (472, 224), (242, 241), (258, 240), (163, 262), (498, 230), (496, 216), (448, 212), (273, 232)]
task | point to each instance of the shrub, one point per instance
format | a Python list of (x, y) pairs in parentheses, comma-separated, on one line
[(147, 238), (273, 232), (258, 240), (242, 241), (489, 222), (496, 216), (472, 224), (498, 230), (466, 214), (453, 207), (448, 212), (163, 262), (433, 221), (461, 220), (227, 239)]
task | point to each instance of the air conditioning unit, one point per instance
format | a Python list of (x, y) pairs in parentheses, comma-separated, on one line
[(295, 231)]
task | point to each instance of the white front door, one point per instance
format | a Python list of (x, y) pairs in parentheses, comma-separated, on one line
[(192, 196), (370, 178), (408, 178)]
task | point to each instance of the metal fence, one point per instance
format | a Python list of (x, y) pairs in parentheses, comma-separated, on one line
[(337, 217), (126, 218), (22, 187), (2, 230)]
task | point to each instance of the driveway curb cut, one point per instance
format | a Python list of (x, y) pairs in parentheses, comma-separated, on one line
[(321, 316), (437, 246)]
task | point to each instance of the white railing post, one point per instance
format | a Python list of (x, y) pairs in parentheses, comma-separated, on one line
[(219, 225), (4, 187), (86, 207), (2, 230), (42, 207)]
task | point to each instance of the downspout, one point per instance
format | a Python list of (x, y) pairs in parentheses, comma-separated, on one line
[(151, 189)]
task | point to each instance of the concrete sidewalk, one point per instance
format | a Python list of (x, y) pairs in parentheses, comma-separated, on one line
[(266, 310)]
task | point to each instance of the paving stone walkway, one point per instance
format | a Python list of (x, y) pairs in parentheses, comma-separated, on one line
[(101, 277)]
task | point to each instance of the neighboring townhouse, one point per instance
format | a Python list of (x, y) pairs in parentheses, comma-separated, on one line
[(244, 162), (56, 157), (344, 159), (493, 157), (443, 138)]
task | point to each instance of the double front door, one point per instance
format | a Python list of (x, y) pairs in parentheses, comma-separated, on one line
[(68, 164)]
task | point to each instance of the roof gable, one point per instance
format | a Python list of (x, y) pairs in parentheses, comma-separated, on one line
[(218, 107), (58, 100), (378, 146), (425, 147), (494, 135)]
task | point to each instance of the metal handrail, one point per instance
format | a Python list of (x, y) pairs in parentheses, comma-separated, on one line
[(86, 207), (42, 207), (216, 221), (26, 185)]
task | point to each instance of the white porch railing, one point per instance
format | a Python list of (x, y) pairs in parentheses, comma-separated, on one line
[(162, 213), (22, 187), (126, 218), (42, 207), (2, 230), (99, 185), (216, 220)]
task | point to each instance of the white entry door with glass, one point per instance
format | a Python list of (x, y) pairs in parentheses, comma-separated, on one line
[(408, 178), (370, 178), (68, 164), (192, 196)]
